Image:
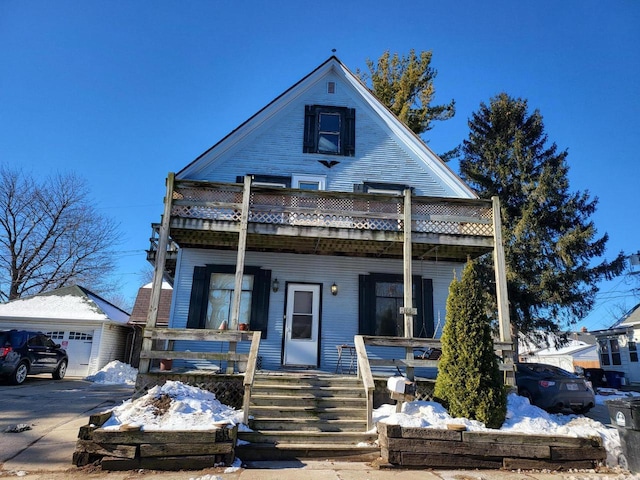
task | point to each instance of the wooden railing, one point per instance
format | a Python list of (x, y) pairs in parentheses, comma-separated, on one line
[(407, 360), (283, 206), (231, 357)]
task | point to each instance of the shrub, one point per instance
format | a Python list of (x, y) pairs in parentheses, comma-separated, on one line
[(469, 381)]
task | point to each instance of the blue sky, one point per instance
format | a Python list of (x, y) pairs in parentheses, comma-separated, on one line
[(123, 92)]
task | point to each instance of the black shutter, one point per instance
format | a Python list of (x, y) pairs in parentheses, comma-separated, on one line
[(309, 141), (195, 319), (358, 188), (427, 311), (260, 302), (349, 133), (366, 306)]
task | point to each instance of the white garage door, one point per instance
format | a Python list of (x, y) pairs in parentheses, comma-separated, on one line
[(78, 346)]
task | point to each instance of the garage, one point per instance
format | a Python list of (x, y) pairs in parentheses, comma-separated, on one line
[(92, 330)]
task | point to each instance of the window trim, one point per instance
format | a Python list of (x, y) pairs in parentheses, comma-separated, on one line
[(423, 302), (321, 180), (259, 315), (347, 133)]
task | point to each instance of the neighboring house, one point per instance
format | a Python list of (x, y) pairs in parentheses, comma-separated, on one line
[(618, 346), (302, 211), (580, 350), (139, 314), (93, 331)]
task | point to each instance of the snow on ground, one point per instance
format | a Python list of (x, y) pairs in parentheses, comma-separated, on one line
[(522, 417), (174, 406), (115, 373), (177, 406)]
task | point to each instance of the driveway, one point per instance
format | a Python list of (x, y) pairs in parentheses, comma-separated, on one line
[(54, 410)]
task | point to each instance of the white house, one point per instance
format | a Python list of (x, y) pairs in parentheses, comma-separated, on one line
[(93, 331), (580, 350), (305, 204), (618, 346)]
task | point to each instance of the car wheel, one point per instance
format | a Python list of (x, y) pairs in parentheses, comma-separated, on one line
[(19, 375), (60, 371)]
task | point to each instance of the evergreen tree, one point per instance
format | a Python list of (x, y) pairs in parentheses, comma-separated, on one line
[(469, 381), (405, 86), (551, 245)]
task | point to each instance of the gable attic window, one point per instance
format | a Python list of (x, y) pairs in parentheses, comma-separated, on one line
[(329, 130), (331, 87)]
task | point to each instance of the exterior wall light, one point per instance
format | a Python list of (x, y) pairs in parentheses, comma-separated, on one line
[(334, 289), (275, 286)]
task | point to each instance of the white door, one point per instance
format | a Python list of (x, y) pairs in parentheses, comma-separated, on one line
[(302, 325)]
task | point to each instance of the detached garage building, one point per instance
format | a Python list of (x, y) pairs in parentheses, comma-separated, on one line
[(93, 331)]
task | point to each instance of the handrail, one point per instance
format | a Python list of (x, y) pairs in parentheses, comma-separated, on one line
[(232, 337), (364, 371), (365, 363)]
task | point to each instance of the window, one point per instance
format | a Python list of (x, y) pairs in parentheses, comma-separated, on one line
[(609, 352), (633, 351), (80, 336), (220, 300), (277, 181), (56, 335), (329, 130), (309, 182), (379, 187), (382, 295), (212, 298)]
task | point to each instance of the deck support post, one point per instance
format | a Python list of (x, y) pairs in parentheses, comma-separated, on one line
[(242, 246), (504, 319), (158, 272), (408, 309)]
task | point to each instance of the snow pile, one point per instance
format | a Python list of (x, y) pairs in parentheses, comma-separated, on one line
[(174, 406), (522, 417), (115, 373)]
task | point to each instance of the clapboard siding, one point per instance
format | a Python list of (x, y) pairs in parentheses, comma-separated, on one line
[(339, 320), (275, 148), (112, 343)]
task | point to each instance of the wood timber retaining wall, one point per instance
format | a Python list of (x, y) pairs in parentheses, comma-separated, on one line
[(432, 448), (155, 450)]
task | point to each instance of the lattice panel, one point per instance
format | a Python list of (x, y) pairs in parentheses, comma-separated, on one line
[(450, 224), (207, 195)]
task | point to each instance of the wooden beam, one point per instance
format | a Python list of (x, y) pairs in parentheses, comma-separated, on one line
[(408, 281), (242, 245), (501, 274), (158, 271)]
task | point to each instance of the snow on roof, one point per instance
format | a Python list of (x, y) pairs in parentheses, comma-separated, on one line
[(69, 303)]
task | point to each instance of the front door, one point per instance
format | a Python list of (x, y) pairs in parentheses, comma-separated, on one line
[(302, 325)]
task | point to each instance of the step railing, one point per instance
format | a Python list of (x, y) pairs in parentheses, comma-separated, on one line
[(229, 337), (408, 360)]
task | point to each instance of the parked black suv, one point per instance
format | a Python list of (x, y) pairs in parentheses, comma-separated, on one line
[(25, 353)]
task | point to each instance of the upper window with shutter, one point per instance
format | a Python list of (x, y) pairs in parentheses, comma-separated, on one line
[(330, 130)]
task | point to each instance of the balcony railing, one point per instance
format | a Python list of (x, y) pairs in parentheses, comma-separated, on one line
[(222, 202)]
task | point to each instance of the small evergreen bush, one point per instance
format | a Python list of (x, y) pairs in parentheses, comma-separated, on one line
[(469, 382)]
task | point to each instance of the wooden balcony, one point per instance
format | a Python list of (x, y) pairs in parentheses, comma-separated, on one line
[(207, 214)]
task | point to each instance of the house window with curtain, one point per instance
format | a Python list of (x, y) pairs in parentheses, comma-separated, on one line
[(212, 295), (380, 299)]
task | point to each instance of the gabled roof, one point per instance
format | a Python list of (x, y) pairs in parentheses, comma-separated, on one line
[(67, 303), (631, 318), (141, 307), (333, 65)]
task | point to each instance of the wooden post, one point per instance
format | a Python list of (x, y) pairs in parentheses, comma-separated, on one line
[(408, 309), (501, 274), (158, 272), (242, 245), (500, 267)]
